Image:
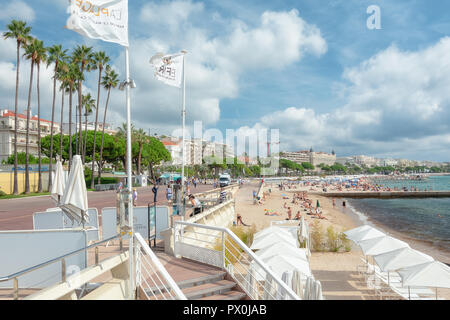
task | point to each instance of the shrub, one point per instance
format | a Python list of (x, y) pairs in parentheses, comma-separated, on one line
[(333, 240), (232, 249), (2, 194), (317, 237), (345, 242)]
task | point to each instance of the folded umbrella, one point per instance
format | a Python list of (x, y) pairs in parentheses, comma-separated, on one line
[(59, 183)]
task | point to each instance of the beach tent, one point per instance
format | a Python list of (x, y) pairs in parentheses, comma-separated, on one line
[(59, 183), (433, 274), (74, 201), (381, 245), (283, 249), (367, 234), (401, 258), (272, 238), (357, 230)]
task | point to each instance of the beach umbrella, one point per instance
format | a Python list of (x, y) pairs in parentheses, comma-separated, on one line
[(432, 274), (280, 264), (74, 201), (318, 291), (366, 235), (318, 204), (357, 230), (286, 278), (272, 238), (381, 245), (401, 258), (298, 283), (271, 230), (59, 183), (304, 234), (283, 249)]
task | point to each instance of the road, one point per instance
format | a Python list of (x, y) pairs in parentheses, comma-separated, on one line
[(17, 214)]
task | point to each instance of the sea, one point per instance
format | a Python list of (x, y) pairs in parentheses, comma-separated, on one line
[(425, 220)]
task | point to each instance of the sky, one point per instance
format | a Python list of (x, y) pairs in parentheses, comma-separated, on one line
[(311, 69)]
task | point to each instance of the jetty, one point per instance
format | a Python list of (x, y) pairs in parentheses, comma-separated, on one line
[(385, 194)]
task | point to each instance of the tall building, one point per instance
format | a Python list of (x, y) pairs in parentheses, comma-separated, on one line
[(7, 133), (315, 158), (109, 129)]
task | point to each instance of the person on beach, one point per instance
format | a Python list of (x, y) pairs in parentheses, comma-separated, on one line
[(289, 213), (240, 221), (298, 216), (334, 203)]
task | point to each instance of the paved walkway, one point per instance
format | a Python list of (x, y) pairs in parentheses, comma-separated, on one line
[(17, 214)]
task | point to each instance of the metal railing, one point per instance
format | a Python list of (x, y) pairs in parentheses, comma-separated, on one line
[(15, 276), (151, 276), (220, 247)]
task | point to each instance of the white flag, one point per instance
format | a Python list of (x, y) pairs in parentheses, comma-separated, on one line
[(168, 69), (106, 20)]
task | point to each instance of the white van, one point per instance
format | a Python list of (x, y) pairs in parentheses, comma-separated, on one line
[(224, 180)]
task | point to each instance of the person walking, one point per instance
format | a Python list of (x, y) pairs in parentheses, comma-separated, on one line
[(155, 193), (135, 196), (169, 193)]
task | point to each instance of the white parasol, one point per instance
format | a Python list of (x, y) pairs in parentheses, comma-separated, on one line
[(74, 201), (59, 183)]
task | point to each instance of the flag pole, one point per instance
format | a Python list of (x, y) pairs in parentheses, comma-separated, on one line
[(183, 116), (130, 176)]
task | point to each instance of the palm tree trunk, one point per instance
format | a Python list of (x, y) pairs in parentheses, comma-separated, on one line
[(27, 139), (85, 137), (39, 134), (16, 186), (70, 125), (50, 166), (139, 161), (80, 134), (103, 137), (95, 128), (61, 126)]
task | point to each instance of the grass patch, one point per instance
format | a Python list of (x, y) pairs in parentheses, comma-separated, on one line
[(23, 195)]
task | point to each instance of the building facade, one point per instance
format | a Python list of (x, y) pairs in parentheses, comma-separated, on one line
[(109, 129), (315, 158), (7, 133)]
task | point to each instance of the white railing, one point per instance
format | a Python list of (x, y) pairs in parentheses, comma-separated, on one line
[(151, 276), (220, 247)]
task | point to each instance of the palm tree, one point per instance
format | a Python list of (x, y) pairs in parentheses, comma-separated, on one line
[(30, 54), (62, 76), (100, 59), (56, 56), (72, 77), (109, 81), (141, 138), (17, 30), (122, 133), (83, 57), (88, 104), (41, 56)]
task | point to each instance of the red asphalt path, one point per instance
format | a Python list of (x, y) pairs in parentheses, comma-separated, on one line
[(17, 214)]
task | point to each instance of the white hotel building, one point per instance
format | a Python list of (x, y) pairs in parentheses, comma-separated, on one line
[(7, 133)]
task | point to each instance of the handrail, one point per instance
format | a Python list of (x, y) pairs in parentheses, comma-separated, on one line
[(281, 283), (41, 265), (180, 295)]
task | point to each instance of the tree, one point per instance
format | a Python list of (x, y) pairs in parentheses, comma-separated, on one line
[(41, 56), (56, 55), (100, 59), (157, 154), (62, 76), (109, 81), (88, 105), (308, 166), (72, 77), (19, 31), (83, 57), (140, 138), (30, 54)]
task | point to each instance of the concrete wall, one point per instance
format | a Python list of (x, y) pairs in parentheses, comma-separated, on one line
[(7, 181)]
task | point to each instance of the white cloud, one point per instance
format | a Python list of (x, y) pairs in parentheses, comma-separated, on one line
[(396, 102), (17, 9), (215, 62)]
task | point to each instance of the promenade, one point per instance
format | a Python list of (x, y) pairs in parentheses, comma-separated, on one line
[(17, 214)]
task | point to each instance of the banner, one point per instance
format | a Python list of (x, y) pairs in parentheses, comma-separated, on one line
[(106, 20), (168, 69)]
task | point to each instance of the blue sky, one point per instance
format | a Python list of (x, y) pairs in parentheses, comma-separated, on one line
[(324, 79)]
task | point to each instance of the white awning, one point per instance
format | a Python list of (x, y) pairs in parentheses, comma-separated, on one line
[(401, 258), (381, 245), (433, 274)]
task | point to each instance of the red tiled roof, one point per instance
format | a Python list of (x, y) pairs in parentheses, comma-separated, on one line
[(169, 143), (23, 116)]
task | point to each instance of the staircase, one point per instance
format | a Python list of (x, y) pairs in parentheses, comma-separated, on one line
[(198, 281)]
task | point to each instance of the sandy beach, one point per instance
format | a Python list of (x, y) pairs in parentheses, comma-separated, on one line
[(336, 271)]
